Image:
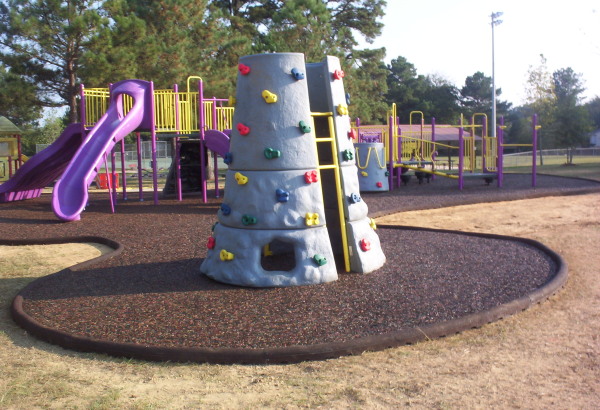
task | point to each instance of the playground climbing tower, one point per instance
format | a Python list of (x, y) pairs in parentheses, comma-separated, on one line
[(291, 170)]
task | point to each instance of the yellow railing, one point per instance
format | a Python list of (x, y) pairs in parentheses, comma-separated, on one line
[(174, 112), (96, 104)]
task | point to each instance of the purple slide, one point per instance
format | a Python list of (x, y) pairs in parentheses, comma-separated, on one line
[(70, 193), (43, 168)]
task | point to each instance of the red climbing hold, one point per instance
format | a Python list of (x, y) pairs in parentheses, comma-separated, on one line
[(338, 74), (243, 129), (210, 244), (244, 69), (365, 245), (352, 134), (311, 176), (379, 185)]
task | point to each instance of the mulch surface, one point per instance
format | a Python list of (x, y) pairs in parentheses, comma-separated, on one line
[(151, 302)]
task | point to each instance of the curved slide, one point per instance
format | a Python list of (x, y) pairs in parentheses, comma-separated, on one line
[(70, 193), (43, 168)]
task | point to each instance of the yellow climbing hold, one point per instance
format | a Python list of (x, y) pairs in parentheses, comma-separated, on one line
[(241, 179), (269, 97), (226, 256), (312, 219), (342, 109), (373, 224)]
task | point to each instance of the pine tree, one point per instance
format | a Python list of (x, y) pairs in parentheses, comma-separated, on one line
[(44, 40)]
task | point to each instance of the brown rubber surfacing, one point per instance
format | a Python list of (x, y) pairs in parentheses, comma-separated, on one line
[(151, 303)]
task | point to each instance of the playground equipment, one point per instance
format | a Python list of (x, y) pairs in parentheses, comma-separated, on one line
[(11, 157), (290, 171), (427, 149), (108, 115)]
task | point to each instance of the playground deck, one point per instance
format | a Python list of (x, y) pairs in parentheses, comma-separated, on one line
[(150, 301)]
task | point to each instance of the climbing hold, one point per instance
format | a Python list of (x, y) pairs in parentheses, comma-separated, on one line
[(210, 244), (304, 127), (347, 155), (269, 97), (354, 198), (225, 209), (241, 179), (352, 134), (226, 256), (231, 101), (387, 173), (267, 250), (271, 153), (282, 195), (338, 74), (348, 98), (312, 219), (228, 158), (212, 228), (372, 224), (342, 109), (364, 173), (365, 245), (248, 220), (297, 74), (379, 185), (244, 69), (311, 176), (320, 260), (243, 129)]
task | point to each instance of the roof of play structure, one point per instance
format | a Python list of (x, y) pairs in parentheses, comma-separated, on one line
[(8, 128)]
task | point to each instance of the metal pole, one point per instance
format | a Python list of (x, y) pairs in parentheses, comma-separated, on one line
[(495, 22), (500, 151), (534, 152)]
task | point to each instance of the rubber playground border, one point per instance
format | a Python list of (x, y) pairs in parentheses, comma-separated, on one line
[(288, 354)]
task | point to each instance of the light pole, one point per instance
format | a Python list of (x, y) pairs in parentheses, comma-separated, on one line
[(495, 22)]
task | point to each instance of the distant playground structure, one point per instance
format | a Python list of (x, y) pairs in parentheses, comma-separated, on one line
[(427, 149), (11, 157), (386, 155)]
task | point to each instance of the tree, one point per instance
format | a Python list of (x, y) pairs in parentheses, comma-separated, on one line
[(18, 101), (432, 95), (593, 108), (43, 41), (366, 83), (541, 98), (572, 121), (406, 88)]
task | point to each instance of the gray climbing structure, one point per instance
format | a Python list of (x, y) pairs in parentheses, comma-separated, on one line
[(291, 170)]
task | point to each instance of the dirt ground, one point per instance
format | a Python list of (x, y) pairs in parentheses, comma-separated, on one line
[(545, 357)]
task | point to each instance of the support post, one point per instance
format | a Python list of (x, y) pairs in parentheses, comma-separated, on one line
[(123, 169), (534, 152), (500, 150), (461, 154), (202, 136), (139, 165), (177, 147), (153, 143), (390, 153)]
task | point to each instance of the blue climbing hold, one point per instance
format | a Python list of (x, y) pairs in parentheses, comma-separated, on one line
[(348, 98), (354, 198), (282, 195), (225, 209), (228, 158), (297, 74)]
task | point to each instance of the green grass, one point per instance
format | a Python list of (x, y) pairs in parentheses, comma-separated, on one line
[(579, 169)]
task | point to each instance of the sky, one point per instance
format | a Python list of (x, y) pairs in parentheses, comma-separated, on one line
[(453, 39)]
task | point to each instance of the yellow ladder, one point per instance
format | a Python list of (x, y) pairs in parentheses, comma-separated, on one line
[(338, 185)]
